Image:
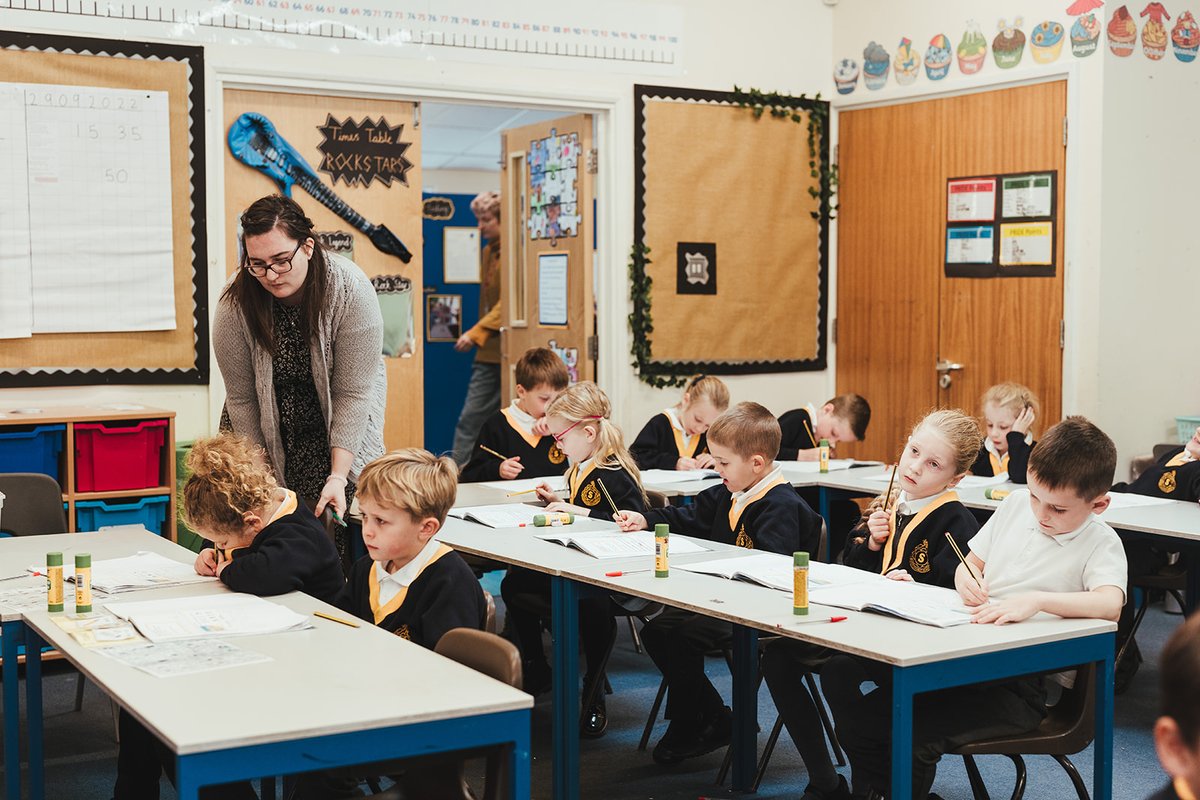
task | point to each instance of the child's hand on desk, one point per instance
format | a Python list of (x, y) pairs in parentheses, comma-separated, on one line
[(206, 562), (1011, 609), (900, 575), (511, 468), (880, 526), (685, 464), (559, 505), (704, 461), (971, 591), (1024, 421), (631, 521), (809, 455), (546, 494)]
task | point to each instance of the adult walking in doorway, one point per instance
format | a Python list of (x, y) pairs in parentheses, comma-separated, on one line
[(483, 392), (299, 340)]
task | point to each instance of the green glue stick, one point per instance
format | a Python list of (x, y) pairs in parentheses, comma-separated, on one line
[(996, 494), (83, 583), (662, 533), (823, 455), (552, 519), (54, 582), (800, 583)]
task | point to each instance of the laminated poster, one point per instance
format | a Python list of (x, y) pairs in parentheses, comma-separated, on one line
[(1027, 244), (1027, 195), (971, 200), (970, 245), (552, 289)]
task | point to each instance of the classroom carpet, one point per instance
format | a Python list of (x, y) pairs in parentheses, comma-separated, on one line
[(81, 749)]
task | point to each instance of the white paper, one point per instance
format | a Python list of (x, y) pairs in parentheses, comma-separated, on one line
[(971, 200), (98, 194), (660, 477), (209, 615), (1029, 243), (557, 483), (506, 515), (982, 481), (603, 545), (552, 289), (814, 467), (171, 659), (969, 245), (1027, 196), (776, 571), (143, 570), (929, 605), (32, 598), (460, 255), (1129, 500), (16, 267)]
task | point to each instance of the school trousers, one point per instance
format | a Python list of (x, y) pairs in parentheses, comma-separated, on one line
[(677, 640), (142, 759), (526, 596), (784, 663), (942, 720)]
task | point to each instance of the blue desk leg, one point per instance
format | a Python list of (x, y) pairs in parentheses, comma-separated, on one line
[(745, 706), (10, 639), (519, 756), (1103, 744), (902, 733), (823, 510), (33, 713), (564, 626)]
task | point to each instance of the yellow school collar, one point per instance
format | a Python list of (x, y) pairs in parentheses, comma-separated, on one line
[(998, 464), (288, 506), (684, 445), (893, 549), (1183, 790), (743, 502), (577, 476), (382, 612), (1181, 458), (531, 438)]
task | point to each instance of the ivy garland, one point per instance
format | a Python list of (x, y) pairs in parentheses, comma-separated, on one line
[(664, 374)]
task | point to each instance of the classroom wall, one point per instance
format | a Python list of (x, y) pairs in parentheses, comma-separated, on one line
[(461, 181), (779, 45)]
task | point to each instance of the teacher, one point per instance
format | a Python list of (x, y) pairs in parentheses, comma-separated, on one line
[(299, 340)]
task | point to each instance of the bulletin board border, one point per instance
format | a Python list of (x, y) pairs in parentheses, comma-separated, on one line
[(681, 369), (198, 373)]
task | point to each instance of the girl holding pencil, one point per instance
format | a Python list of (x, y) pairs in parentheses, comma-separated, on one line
[(601, 479)]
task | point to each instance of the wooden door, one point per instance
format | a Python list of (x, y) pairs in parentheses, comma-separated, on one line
[(898, 314), (297, 119), (546, 247)]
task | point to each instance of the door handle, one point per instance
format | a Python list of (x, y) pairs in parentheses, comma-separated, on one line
[(944, 369)]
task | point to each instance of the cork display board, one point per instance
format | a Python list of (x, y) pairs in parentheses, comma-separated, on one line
[(737, 255), (363, 159), (178, 356)]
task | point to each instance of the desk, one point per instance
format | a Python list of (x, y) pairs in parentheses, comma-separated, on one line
[(274, 734), (922, 657)]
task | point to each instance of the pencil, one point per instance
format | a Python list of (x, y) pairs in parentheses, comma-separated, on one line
[(335, 619), (608, 497), (963, 559), (493, 452), (523, 491), (810, 434), (887, 498)]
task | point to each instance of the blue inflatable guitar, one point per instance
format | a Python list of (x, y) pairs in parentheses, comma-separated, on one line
[(254, 141)]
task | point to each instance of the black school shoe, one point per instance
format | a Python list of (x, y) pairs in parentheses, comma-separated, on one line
[(1128, 667), (595, 719), (691, 739), (840, 792)]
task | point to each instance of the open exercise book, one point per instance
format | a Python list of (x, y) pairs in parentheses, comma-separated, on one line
[(814, 467), (614, 544), (775, 571), (230, 614), (505, 515), (557, 483), (142, 570), (660, 477)]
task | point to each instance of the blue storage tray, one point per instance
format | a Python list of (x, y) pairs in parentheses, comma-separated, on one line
[(151, 512), (34, 450)]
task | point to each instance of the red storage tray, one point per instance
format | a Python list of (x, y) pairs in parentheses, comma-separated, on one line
[(110, 458)]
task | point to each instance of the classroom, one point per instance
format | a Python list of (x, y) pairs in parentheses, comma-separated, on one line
[(690, 206)]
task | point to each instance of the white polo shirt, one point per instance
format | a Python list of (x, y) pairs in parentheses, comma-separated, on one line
[(1019, 557)]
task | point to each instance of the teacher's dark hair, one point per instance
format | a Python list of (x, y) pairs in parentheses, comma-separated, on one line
[(255, 303)]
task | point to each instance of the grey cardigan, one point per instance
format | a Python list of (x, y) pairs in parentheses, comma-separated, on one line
[(347, 367)]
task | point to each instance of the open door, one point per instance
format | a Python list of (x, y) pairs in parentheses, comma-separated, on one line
[(547, 216)]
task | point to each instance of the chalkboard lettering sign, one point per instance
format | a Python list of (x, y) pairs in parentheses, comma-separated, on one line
[(359, 152)]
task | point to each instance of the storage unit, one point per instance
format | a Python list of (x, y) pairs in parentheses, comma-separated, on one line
[(116, 464)]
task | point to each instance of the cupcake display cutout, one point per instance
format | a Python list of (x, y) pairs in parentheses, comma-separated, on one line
[(937, 58), (972, 50), (1085, 32), (876, 64), (1185, 37), (1046, 41), (1154, 32), (1122, 33), (907, 63), (1009, 44), (845, 75)]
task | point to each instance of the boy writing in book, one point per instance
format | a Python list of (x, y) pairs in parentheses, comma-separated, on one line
[(515, 441), (842, 419), (754, 507), (1044, 550), (409, 584), (1177, 731)]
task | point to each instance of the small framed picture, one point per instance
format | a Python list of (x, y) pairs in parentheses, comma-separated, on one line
[(443, 317)]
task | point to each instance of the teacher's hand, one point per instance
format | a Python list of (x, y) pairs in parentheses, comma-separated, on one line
[(334, 496), (463, 344)]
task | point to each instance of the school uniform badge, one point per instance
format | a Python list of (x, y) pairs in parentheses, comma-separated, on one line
[(918, 561), (590, 495), (556, 455), (743, 539), (1166, 483), (404, 633)]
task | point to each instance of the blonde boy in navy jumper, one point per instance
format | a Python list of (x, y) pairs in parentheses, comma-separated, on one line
[(1045, 550)]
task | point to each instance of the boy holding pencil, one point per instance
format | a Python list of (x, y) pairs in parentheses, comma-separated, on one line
[(515, 442), (1045, 550)]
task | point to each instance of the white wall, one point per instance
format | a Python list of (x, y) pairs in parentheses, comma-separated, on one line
[(783, 45), (460, 181)]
